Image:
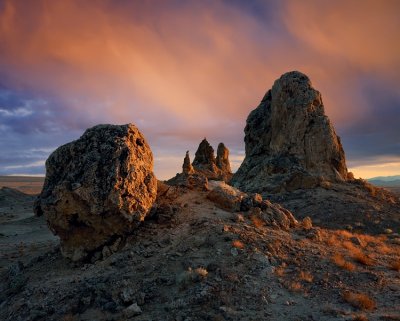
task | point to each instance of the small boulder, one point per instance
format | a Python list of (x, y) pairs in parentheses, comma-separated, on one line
[(225, 196), (98, 188)]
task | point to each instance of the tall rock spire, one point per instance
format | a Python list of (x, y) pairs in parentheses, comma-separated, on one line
[(187, 168), (290, 142)]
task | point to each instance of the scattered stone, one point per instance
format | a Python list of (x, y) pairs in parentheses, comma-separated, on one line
[(133, 310), (97, 187)]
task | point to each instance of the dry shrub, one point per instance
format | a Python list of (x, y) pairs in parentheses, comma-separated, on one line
[(395, 265), (384, 249), (339, 260), (257, 222), (306, 276), (357, 254), (294, 286), (202, 272), (344, 234), (332, 241), (360, 317), (359, 300), (350, 246), (280, 271), (238, 244), (360, 257)]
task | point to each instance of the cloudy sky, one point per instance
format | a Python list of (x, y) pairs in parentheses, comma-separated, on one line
[(185, 70)]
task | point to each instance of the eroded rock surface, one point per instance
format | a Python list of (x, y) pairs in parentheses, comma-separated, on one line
[(290, 142), (204, 158), (187, 167), (98, 188), (205, 167)]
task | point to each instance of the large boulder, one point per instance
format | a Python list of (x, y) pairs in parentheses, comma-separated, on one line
[(98, 188), (290, 142)]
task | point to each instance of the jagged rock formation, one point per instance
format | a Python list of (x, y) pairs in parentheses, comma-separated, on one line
[(187, 167), (204, 167), (98, 188), (294, 157), (222, 160), (204, 158), (290, 142), (213, 168)]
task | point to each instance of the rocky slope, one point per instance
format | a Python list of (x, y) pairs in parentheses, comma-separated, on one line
[(193, 260)]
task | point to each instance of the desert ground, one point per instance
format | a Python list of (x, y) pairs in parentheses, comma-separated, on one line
[(22, 235), (197, 261)]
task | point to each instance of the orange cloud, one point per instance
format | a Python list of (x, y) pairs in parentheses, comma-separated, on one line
[(182, 72)]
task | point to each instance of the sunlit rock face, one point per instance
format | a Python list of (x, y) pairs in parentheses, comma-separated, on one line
[(98, 188), (290, 142)]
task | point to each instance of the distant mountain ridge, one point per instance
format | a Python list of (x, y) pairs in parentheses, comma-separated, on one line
[(390, 181)]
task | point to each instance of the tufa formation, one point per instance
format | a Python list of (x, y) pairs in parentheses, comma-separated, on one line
[(205, 167), (290, 142), (187, 168), (97, 189), (205, 162)]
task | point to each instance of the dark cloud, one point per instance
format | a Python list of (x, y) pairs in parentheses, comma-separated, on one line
[(377, 132)]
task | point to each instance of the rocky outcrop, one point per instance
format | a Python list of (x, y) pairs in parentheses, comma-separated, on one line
[(253, 206), (222, 160), (213, 168), (187, 167), (290, 142), (98, 188), (204, 158), (205, 167)]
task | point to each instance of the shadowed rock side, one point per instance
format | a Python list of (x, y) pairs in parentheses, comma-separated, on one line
[(290, 142), (294, 157), (187, 168), (222, 160), (204, 158), (97, 189)]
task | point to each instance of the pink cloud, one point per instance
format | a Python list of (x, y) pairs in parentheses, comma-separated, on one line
[(182, 72)]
